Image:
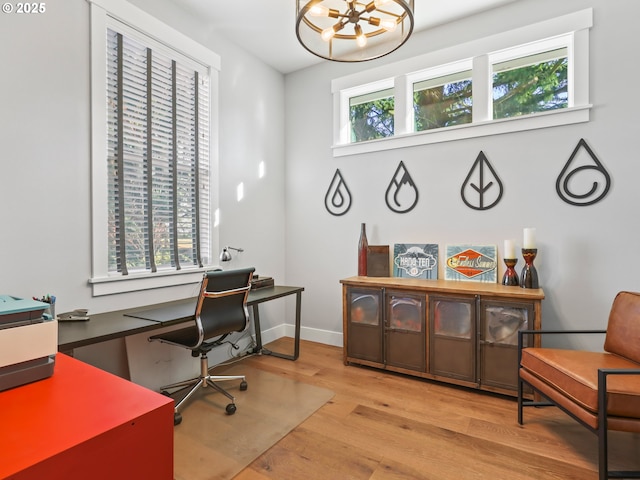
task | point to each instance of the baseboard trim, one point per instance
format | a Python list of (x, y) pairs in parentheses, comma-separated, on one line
[(306, 333)]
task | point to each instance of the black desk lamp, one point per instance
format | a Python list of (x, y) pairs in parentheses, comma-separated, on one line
[(225, 255)]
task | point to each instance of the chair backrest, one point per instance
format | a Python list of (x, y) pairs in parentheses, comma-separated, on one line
[(222, 303), (623, 329)]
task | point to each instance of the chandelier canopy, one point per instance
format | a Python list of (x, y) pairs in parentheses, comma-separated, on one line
[(351, 30)]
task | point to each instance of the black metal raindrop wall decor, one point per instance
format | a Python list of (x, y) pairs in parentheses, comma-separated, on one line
[(590, 172), (337, 201), (482, 189), (402, 194)]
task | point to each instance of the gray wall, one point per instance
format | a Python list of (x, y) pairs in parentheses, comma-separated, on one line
[(45, 212), (586, 254), (45, 138)]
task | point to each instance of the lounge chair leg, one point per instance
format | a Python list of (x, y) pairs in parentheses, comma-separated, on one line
[(520, 389)]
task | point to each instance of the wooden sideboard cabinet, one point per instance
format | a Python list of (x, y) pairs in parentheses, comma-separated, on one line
[(458, 332)]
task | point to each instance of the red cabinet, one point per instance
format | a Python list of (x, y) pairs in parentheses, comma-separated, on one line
[(84, 423)]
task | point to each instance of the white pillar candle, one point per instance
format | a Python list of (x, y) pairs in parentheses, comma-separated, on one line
[(529, 238), (509, 249)]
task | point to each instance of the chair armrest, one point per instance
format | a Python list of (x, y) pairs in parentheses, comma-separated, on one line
[(522, 333), (561, 331), (603, 373)]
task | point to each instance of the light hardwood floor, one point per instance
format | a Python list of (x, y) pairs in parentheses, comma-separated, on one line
[(387, 426)]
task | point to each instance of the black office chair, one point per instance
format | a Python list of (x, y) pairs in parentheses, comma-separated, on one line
[(221, 309)]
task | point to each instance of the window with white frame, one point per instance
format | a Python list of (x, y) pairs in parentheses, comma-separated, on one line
[(532, 78), (443, 101), (152, 152), (532, 84), (371, 115), (481, 89)]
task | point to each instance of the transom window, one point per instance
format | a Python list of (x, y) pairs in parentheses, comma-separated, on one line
[(443, 101), (371, 115), (447, 95), (532, 84), (522, 85)]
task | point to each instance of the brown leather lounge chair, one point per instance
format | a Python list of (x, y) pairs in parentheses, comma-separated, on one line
[(601, 390)]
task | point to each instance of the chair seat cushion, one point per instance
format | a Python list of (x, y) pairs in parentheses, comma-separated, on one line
[(574, 374), (186, 337)]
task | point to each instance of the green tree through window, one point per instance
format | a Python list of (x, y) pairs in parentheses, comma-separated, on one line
[(442, 105), (521, 86), (532, 88), (371, 116)]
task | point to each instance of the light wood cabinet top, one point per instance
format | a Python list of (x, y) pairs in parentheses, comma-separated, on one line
[(447, 286)]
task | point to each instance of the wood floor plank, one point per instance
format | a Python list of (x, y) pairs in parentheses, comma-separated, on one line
[(381, 425)]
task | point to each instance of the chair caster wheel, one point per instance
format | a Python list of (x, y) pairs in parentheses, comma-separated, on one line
[(177, 419), (231, 409), (243, 385)]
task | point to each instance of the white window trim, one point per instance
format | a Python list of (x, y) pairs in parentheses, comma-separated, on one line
[(102, 14), (574, 26)]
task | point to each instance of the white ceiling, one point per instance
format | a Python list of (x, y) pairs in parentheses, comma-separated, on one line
[(266, 28)]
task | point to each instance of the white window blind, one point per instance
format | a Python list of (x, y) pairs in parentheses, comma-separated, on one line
[(158, 150)]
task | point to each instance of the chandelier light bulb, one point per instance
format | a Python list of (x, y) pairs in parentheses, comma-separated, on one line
[(327, 34), (370, 7), (361, 39), (322, 11), (380, 3), (319, 11), (388, 24)]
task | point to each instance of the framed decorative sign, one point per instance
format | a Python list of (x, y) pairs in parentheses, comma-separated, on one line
[(415, 260), (476, 263)]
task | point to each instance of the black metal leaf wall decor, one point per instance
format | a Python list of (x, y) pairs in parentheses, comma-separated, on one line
[(583, 183), (337, 201), (402, 194), (482, 189)]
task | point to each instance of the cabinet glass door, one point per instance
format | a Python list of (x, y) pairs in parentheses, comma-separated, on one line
[(364, 324), (452, 351), (404, 331), (500, 322)]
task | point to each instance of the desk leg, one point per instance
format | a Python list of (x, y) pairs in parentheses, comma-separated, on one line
[(296, 349), (256, 326)]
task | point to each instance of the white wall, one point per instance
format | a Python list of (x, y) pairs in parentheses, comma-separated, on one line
[(586, 254), (45, 242)]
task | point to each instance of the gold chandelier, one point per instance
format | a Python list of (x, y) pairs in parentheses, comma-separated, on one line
[(353, 31)]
